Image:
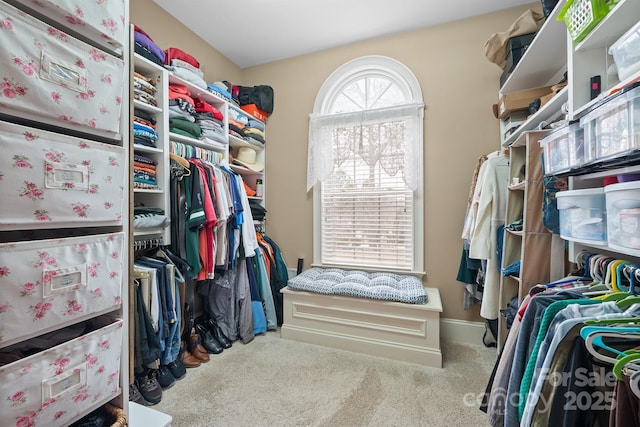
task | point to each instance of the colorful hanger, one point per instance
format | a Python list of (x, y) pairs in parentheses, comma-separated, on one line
[(614, 321), (625, 363), (612, 272), (619, 275), (631, 298), (593, 337), (611, 280)]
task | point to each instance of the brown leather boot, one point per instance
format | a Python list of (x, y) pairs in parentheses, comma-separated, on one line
[(195, 347), (189, 360)]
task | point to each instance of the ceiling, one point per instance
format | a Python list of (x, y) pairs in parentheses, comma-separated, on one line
[(254, 32)]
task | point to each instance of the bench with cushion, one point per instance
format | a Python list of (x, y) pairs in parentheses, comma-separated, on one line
[(381, 314)]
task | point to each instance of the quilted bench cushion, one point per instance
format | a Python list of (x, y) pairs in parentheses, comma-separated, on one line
[(379, 286)]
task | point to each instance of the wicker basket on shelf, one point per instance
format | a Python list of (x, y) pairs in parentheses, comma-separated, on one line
[(117, 415)]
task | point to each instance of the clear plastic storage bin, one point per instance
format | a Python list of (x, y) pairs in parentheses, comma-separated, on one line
[(626, 53), (623, 216), (583, 215), (563, 149), (613, 129)]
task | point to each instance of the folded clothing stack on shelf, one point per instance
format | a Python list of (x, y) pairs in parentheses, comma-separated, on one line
[(237, 123), (210, 120), (149, 217), (222, 89), (146, 47), (144, 172), (144, 128), (254, 132), (182, 112), (184, 66), (144, 89)]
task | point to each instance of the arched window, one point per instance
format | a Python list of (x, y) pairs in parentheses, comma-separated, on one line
[(366, 167)]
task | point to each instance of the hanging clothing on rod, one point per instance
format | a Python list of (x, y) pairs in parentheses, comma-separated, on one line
[(469, 271), (214, 233), (563, 347), (276, 271), (489, 218)]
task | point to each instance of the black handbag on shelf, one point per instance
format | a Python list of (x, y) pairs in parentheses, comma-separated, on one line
[(261, 96)]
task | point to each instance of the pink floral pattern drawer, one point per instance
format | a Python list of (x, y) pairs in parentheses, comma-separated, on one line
[(47, 284), (51, 180), (100, 20), (54, 387), (51, 77)]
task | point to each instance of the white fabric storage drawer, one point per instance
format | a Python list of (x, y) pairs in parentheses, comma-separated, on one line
[(52, 180), (98, 20), (51, 77), (46, 284), (54, 387)]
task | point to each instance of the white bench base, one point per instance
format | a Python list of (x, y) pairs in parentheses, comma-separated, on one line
[(406, 332)]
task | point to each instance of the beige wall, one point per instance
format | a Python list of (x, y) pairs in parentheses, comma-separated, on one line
[(459, 86)]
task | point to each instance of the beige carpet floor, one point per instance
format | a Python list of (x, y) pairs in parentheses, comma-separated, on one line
[(278, 382)]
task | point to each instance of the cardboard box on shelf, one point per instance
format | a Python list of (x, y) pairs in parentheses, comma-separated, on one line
[(546, 98), (519, 100)]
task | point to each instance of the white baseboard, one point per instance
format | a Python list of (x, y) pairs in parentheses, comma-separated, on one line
[(461, 331)]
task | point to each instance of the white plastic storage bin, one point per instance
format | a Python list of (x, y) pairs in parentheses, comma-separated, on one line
[(613, 129), (583, 215), (563, 149), (101, 21), (46, 284), (56, 386), (623, 216), (53, 180), (626, 53), (49, 76)]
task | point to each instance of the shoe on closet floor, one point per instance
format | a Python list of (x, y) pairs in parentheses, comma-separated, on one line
[(165, 377), (217, 333), (208, 341), (135, 395), (195, 347), (189, 360), (177, 369), (149, 386)]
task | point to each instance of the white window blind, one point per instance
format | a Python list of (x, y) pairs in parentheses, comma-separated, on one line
[(367, 209)]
